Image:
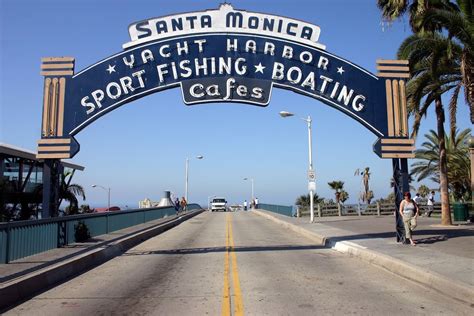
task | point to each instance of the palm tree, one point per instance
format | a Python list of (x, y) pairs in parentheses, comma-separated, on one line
[(457, 19), (70, 192), (337, 186), (343, 196), (365, 182), (416, 10), (458, 162), (303, 200), (433, 73), (423, 190), (440, 55)]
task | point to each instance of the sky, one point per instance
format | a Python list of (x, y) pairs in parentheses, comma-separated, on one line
[(139, 150)]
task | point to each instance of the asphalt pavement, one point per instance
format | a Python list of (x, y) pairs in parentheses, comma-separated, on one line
[(237, 263)]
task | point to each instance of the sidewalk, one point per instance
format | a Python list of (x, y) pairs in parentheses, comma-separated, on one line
[(22, 278), (443, 258)]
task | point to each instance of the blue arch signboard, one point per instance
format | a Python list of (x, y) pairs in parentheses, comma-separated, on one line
[(222, 55)]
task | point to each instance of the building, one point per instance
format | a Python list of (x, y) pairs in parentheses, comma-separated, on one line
[(21, 180)]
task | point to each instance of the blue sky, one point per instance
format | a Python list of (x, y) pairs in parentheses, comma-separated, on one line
[(139, 150)]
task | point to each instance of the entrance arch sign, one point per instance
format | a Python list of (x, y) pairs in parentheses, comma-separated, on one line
[(222, 55)]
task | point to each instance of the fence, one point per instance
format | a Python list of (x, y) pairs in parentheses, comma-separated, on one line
[(324, 210), (280, 209), (25, 238), (362, 210)]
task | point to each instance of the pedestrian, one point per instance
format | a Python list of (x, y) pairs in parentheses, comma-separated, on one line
[(183, 204), (417, 199), (409, 212), (176, 205), (430, 203), (245, 205), (256, 203)]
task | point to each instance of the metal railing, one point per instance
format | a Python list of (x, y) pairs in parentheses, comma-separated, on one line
[(25, 238), (324, 210), (280, 209)]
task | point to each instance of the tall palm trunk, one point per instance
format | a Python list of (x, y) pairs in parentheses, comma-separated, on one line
[(443, 165)]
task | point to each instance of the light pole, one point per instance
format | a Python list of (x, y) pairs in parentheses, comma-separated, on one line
[(187, 173), (251, 180), (108, 194), (311, 177)]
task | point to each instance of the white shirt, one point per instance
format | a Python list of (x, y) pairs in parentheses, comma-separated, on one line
[(245, 203), (430, 199), (417, 199), (256, 201)]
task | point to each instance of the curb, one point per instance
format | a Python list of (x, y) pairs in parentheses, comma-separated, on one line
[(14, 291), (454, 289)]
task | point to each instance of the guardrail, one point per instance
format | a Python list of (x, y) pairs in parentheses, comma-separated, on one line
[(25, 238), (280, 209)]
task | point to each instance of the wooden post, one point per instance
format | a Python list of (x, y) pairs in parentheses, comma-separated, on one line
[(319, 210), (378, 209)]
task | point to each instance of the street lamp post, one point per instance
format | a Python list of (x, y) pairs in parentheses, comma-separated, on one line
[(251, 180), (108, 194), (311, 184), (187, 176)]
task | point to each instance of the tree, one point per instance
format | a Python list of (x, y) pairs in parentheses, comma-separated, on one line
[(457, 151), (68, 192), (337, 186), (440, 55), (432, 75), (364, 196), (303, 200), (343, 196), (423, 190), (457, 19)]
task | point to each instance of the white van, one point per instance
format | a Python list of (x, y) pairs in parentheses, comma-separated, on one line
[(218, 204)]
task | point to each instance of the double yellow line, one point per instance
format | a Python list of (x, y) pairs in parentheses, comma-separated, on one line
[(230, 257)]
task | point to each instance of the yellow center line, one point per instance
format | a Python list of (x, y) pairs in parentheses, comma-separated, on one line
[(239, 305), (226, 294), (226, 299)]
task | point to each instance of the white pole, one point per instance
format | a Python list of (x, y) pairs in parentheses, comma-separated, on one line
[(311, 193), (109, 199), (186, 185)]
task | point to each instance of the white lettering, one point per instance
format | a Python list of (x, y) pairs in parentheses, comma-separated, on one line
[(277, 73), (89, 105), (194, 88), (358, 106)]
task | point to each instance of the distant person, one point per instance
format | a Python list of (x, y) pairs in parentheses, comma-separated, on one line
[(409, 212), (256, 203), (430, 203), (176, 205), (245, 205), (417, 199), (183, 204)]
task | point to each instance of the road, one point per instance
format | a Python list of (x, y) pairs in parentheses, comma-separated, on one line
[(239, 264)]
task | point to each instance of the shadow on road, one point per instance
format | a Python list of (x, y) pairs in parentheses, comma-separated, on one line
[(189, 251)]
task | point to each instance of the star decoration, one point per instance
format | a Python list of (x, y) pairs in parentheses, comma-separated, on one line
[(340, 70), (111, 69), (259, 68)]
